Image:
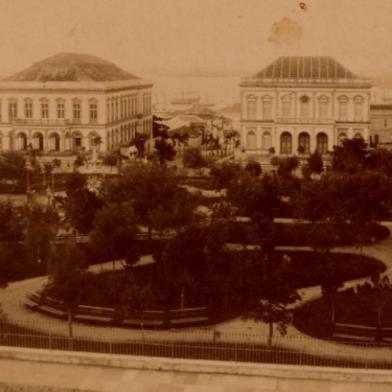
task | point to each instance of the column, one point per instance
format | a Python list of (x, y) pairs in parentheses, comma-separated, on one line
[(294, 141)]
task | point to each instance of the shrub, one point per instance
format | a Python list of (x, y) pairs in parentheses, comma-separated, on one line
[(223, 174), (192, 158), (315, 163), (254, 168), (110, 159)]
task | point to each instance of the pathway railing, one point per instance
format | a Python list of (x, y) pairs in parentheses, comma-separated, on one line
[(205, 344)]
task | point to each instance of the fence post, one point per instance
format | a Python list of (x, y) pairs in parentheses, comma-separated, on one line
[(172, 349), (110, 347), (50, 342), (236, 351)]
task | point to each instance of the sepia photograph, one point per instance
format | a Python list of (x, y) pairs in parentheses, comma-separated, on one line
[(196, 196)]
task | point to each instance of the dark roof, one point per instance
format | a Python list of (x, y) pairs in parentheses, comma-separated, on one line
[(73, 67), (314, 68)]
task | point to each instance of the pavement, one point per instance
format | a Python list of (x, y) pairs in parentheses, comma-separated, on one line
[(34, 376), (236, 330)]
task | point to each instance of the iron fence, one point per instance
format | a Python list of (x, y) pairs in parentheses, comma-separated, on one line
[(204, 344)]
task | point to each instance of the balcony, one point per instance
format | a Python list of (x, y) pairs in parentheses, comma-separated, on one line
[(307, 120), (40, 122)]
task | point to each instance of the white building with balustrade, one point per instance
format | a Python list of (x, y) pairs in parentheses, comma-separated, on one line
[(298, 105), (70, 102)]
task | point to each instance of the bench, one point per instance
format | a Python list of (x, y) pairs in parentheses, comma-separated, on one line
[(147, 318), (188, 316), (52, 311), (94, 314), (360, 332)]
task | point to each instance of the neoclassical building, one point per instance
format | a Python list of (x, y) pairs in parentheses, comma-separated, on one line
[(70, 102), (297, 105)]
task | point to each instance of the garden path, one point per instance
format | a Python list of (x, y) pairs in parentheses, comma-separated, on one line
[(236, 330)]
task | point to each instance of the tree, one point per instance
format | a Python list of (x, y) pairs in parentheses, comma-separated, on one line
[(380, 160), (254, 168), (113, 233), (350, 156), (79, 161), (193, 158), (139, 142), (158, 129), (315, 163), (11, 223), (270, 302), (259, 199), (286, 166), (67, 275), (110, 158), (80, 204), (184, 256), (158, 200), (165, 150), (131, 295), (223, 174), (40, 229)]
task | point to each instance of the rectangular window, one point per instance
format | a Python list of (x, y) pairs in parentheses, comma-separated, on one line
[(323, 110), (44, 110), (251, 109), (93, 112), (60, 110), (286, 109), (267, 110), (358, 111), (28, 109), (76, 112), (343, 111), (12, 110)]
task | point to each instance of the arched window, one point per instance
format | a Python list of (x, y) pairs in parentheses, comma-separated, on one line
[(54, 142), (38, 141), (304, 106), (251, 143), (21, 142), (358, 108), (267, 107), (251, 107), (343, 108), (267, 140), (323, 102), (358, 135), (286, 143), (322, 143), (286, 106), (304, 143), (76, 140)]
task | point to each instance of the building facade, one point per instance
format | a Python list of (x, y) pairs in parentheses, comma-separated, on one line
[(73, 102), (381, 125), (298, 105)]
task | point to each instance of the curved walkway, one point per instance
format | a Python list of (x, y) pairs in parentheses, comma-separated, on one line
[(236, 330)]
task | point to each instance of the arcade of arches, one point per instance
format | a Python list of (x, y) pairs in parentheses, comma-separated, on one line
[(302, 144), (51, 141)]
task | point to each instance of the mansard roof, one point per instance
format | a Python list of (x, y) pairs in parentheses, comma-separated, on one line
[(72, 67)]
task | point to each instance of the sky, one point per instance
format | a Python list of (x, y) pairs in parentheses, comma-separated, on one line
[(233, 37)]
